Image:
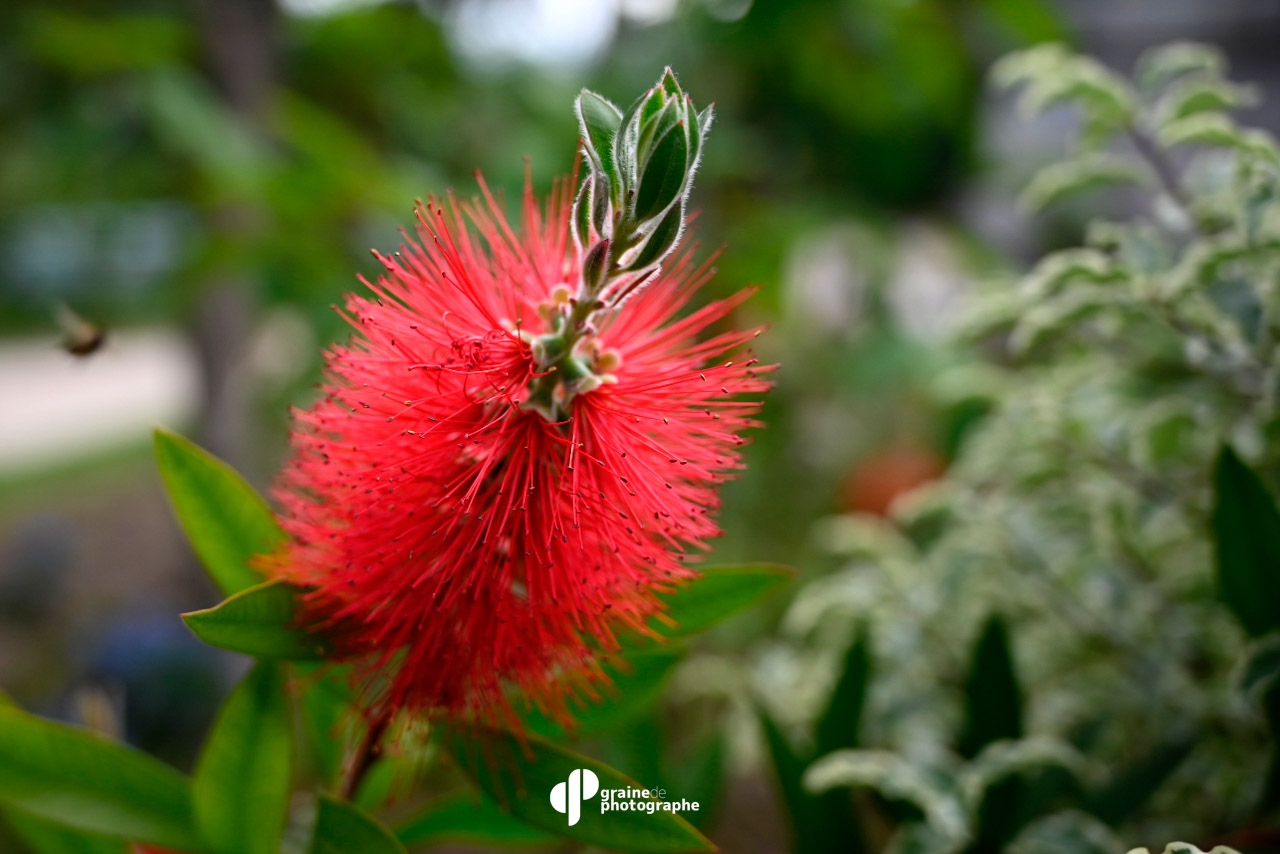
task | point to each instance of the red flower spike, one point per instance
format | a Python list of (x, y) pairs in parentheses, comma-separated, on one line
[(462, 543)]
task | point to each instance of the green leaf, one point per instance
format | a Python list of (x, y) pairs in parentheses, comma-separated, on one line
[(343, 828), (932, 790), (661, 241), (227, 522), (1246, 531), (1161, 65), (55, 772), (242, 782), (719, 592), (521, 774), (599, 121), (1058, 181), (43, 836), (638, 681), (1194, 96), (819, 822), (664, 174), (582, 213), (258, 621), (993, 699), (839, 724), (470, 818), (1211, 129)]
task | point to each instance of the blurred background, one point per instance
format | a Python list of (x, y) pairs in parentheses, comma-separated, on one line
[(202, 180)]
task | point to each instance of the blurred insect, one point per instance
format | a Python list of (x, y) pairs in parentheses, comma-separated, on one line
[(80, 337)]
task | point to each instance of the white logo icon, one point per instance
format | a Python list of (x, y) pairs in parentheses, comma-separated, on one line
[(568, 797)]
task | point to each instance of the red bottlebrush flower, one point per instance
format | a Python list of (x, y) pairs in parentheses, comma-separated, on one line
[(465, 542), (523, 442)]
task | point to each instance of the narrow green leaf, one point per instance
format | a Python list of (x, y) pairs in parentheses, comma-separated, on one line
[(258, 621), (582, 213), (839, 724), (242, 782), (343, 828), (993, 698), (47, 837), (474, 819), (55, 772), (719, 592), (227, 522), (823, 822), (662, 240), (521, 774), (663, 176), (669, 83), (638, 681), (652, 128), (653, 104), (1246, 531)]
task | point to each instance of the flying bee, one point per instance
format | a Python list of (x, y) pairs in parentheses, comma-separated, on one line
[(80, 337)]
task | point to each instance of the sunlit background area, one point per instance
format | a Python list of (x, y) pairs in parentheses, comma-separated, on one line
[(199, 182)]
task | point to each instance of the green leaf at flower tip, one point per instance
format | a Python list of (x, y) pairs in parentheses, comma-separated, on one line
[(242, 781), (259, 622), (1058, 181), (1246, 532), (344, 828), (663, 176), (43, 836), (599, 122), (670, 84), (473, 819), (226, 521), (661, 241), (651, 105), (654, 128), (582, 214), (638, 681), (719, 592), (79, 780), (520, 773)]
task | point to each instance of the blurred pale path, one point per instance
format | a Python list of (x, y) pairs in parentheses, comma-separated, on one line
[(57, 406)]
